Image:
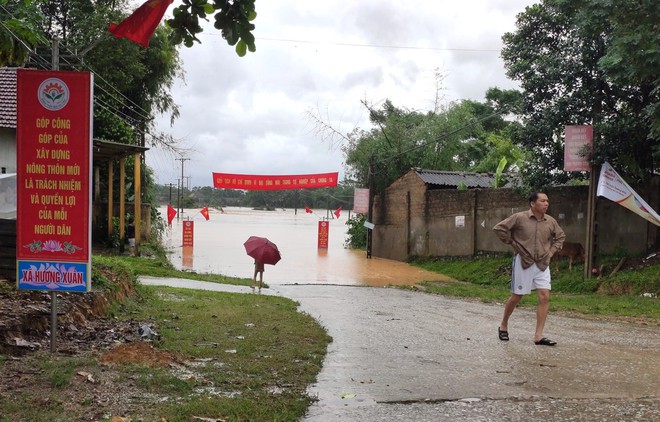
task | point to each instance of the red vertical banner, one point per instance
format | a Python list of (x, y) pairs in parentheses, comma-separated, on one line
[(54, 139), (324, 228), (188, 233)]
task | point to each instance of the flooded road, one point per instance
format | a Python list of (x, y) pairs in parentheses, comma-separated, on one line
[(218, 248), (400, 355)]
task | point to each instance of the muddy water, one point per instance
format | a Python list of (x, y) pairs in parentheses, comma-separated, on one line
[(218, 248)]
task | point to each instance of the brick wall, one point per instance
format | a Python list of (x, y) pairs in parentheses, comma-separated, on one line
[(413, 220), (401, 218)]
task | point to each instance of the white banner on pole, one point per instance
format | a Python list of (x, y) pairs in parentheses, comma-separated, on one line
[(614, 188), (361, 201)]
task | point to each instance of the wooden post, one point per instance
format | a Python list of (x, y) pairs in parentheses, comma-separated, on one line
[(475, 223), (97, 184), (591, 243), (137, 201), (110, 196), (122, 203)]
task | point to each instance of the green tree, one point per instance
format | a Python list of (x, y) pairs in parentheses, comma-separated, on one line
[(501, 146), (232, 17), (505, 101), (633, 55), (576, 65), (20, 31), (132, 84), (455, 138)]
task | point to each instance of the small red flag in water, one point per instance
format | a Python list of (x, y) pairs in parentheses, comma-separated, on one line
[(141, 25), (337, 211), (205, 212), (308, 210), (171, 213)]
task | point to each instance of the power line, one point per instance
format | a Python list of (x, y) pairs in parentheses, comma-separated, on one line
[(97, 100), (367, 45), (141, 112), (396, 47), (137, 109), (130, 120)]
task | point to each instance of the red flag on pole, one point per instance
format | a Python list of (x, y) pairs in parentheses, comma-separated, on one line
[(308, 210), (205, 213), (141, 25), (171, 213), (337, 211)]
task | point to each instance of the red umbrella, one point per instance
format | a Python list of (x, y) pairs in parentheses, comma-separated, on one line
[(262, 250)]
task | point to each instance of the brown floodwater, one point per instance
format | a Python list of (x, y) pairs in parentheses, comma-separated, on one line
[(218, 248)]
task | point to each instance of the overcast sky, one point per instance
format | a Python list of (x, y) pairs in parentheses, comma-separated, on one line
[(249, 114)]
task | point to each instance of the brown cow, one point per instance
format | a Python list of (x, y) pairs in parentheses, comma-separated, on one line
[(574, 251)]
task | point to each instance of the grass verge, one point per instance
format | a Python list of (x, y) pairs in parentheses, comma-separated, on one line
[(231, 357), (487, 278), (258, 353), (153, 262)]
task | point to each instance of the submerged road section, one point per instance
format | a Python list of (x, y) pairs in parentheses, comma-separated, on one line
[(404, 355)]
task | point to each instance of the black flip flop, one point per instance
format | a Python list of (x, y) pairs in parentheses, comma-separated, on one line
[(503, 335), (545, 342)]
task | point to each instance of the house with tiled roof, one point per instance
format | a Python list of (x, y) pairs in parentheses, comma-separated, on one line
[(7, 120), (7, 172)]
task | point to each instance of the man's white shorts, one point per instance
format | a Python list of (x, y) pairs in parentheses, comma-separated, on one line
[(524, 280)]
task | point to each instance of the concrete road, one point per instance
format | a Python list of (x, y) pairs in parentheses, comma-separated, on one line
[(402, 355)]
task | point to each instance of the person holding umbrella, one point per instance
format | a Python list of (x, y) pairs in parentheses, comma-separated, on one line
[(264, 252), (258, 269)]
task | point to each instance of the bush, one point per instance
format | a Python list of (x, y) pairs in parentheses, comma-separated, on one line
[(357, 233)]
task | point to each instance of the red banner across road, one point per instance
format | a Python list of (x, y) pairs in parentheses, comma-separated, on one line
[(270, 182)]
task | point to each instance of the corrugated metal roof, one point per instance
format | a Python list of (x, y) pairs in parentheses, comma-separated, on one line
[(106, 150), (8, 97), (456, 178)]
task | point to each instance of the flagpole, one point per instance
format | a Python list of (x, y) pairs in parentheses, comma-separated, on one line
[(591, 220), (96, 42)]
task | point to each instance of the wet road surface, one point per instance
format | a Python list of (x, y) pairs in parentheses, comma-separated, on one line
[(402, 355)]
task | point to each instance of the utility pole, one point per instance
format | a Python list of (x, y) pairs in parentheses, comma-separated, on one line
[(180, 205), (371, 204), (178, 198), (591, 244)]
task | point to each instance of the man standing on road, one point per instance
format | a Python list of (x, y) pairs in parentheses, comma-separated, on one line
[(534, 237)]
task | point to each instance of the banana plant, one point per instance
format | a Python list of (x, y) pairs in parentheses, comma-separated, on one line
[(499, 179)]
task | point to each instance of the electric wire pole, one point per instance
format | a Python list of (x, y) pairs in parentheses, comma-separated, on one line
[(180, 205)]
